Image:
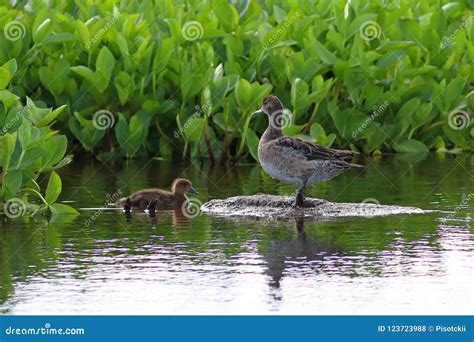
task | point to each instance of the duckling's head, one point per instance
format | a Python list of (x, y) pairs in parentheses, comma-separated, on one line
[(181, 186), (270, 105)]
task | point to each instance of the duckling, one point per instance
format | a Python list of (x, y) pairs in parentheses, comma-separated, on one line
[(293, 160), (156, 199)]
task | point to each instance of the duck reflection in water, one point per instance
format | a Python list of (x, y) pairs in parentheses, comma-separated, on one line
[(280, 253)]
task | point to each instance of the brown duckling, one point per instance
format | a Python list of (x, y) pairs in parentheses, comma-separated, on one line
[(154, 198)]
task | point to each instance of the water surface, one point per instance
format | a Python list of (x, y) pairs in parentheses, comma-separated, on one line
[(102, 262)]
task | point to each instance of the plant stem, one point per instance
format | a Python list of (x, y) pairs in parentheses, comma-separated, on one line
[(35, 192)]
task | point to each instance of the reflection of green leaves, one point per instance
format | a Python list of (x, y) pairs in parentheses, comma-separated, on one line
[(411, 146)]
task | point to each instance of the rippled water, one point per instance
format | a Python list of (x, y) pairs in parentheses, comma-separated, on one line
[(103, 262)]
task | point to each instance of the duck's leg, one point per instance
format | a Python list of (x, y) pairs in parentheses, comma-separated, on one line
[(127, 207), (151, 207), (299, 199)]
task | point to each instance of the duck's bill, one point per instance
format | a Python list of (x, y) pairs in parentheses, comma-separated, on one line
[(260, 111), (192, 191)]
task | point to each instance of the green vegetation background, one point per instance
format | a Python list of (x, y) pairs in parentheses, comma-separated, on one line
[(156, 78)]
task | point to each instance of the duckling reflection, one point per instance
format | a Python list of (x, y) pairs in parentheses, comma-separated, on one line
[(178, 218)]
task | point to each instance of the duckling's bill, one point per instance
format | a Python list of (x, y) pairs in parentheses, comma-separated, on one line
[(192, 191)]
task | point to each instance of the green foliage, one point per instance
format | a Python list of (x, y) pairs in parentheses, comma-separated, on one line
[(367, 75), (28, 148)]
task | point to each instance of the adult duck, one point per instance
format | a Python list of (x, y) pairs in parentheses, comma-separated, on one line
[(295, 161)]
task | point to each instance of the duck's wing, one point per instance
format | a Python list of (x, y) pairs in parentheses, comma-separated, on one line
[(147, 195), (311, 151)]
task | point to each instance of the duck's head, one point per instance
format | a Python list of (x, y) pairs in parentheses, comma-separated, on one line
[(181, 186), (270, 105)]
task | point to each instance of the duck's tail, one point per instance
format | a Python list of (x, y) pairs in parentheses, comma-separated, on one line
[(357, 166)]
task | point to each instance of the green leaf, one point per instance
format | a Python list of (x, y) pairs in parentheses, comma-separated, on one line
[(453, 93), (252, 143), (54, 188), (389, 58), (104, 66), (124, 85), (85, 72), (11, 66), (194, 128), (226, 13), (4, 77), (325, 55), (46, 120), (13, 181), (41, 31)]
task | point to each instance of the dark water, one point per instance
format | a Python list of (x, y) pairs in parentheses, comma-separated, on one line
[(102, 262)]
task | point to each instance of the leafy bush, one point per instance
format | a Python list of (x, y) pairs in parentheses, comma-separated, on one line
[(368, 75), (28, 148)]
